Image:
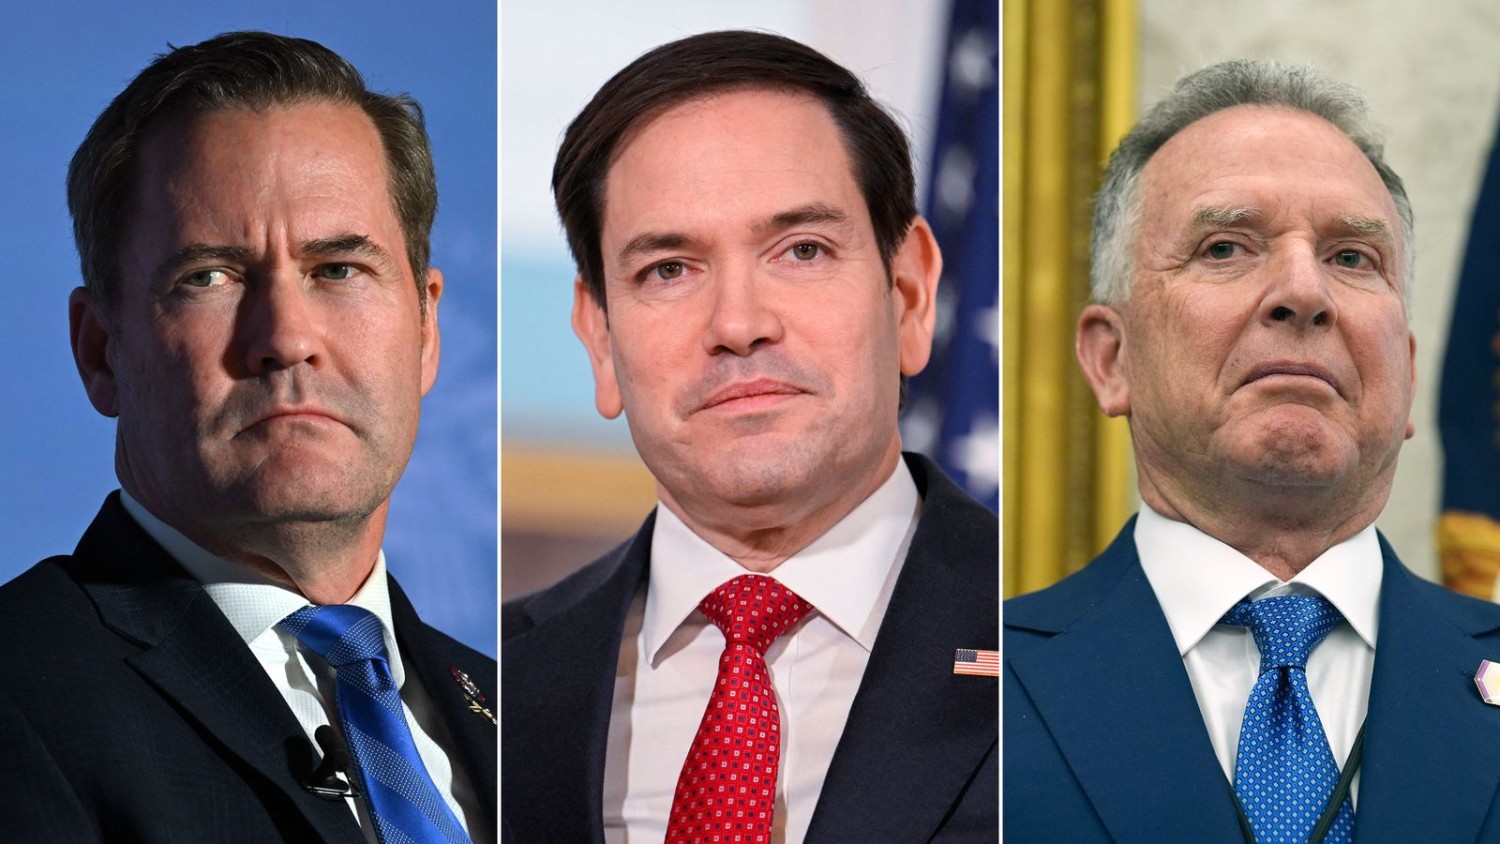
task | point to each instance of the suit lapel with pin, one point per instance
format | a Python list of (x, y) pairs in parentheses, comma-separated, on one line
[(162, 720), (918, 756), (1104, 739)]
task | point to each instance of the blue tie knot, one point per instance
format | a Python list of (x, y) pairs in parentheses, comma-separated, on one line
[(1286, 628), (341, 634)]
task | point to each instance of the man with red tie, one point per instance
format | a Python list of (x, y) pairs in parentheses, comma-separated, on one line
[(773, 654)]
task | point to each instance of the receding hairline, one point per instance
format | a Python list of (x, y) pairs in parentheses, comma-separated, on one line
[(654, 240), (1209, 215)]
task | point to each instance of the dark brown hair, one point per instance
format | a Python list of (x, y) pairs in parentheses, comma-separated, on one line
[(253, 70), (712, 63)]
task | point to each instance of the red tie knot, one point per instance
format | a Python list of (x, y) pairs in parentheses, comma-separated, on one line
[(753, 609)]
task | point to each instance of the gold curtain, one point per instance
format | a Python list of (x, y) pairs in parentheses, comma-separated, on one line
[(1070, 93)]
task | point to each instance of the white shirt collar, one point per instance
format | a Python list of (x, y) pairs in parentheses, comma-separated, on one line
[(847, 574), (254, 603), (1198, 578)]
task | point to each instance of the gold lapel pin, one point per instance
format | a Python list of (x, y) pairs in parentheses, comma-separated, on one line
[(472, 694)]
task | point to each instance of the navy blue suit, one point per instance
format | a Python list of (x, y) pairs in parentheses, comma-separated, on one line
[(917, 759), (131, 710), (1104, 740)]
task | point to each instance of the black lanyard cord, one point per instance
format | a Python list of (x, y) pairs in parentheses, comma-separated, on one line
[(1335, 800)]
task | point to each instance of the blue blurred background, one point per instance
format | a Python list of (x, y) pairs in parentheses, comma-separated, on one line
[(62, 62)]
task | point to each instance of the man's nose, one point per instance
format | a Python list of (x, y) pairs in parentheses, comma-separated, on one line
[(1299, 294), (280, 323), (743, 317)]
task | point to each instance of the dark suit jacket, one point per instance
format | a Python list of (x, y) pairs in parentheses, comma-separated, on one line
[(1104, 740), (130, 710), (916, 762)]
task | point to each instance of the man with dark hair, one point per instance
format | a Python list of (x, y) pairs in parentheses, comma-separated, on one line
[(260, 317), (774, 654), (1249, 660)]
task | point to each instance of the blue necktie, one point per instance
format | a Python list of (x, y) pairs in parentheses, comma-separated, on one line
[(1284, 772), (403, 801)]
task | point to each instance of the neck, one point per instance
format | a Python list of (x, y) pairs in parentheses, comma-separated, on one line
[(1282, 529), (325, 564), (326, 561), (760, 538)]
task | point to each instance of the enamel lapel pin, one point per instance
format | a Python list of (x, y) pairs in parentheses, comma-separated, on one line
[(1487, 678), (982, 663), (473, 695)]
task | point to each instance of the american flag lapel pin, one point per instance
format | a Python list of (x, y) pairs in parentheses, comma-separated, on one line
[(976, 663), (472, 695)]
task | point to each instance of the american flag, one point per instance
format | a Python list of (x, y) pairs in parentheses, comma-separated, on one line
[(976, 663), (953, 407)]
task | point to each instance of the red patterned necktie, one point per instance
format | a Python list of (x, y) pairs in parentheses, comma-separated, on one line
[(727, 788)]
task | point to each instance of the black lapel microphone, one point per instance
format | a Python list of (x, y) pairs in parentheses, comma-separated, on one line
[(330, 779)]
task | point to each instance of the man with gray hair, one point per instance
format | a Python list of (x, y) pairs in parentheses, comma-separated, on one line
[(1249, 659)]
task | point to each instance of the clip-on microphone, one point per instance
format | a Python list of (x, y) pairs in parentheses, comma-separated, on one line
[(330, 780)]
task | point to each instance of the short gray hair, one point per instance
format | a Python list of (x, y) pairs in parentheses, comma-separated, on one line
[(1117, 207)]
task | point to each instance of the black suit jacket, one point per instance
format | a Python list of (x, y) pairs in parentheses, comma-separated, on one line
[(1104, 740), (917, 759), (130, 710)]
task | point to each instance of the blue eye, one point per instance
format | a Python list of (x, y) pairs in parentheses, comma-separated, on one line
[(203, 278), (1350, 259), (1223, 250), (336, 272)]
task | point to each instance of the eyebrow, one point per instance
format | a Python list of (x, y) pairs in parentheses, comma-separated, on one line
[(341, 245), (1367, 226), (645, 244), (817, 214), (1225, 216), (194, 253), (345, 245), (1214, 217)]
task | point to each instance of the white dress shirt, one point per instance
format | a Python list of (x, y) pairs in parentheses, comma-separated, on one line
[(669, 658), (255, 604), (1198, 578)]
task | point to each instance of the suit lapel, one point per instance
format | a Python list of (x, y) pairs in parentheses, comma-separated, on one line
[(432, 658), (557, 707), (192, 655), (917, 732), (1430, 771), (1111, 689)]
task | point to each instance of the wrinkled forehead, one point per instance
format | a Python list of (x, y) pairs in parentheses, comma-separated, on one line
[(1258, 161)]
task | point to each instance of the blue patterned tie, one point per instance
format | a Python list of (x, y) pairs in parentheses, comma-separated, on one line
[(1284, 772), (404, 803)]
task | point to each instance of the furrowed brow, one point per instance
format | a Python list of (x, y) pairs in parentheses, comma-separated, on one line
[(345, 246), (198, 253)]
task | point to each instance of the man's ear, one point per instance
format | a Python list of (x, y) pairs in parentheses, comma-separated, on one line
[(915, 269), (1411, 425), (1100, 346), (88, 328), (431, 340), (592, 327)]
